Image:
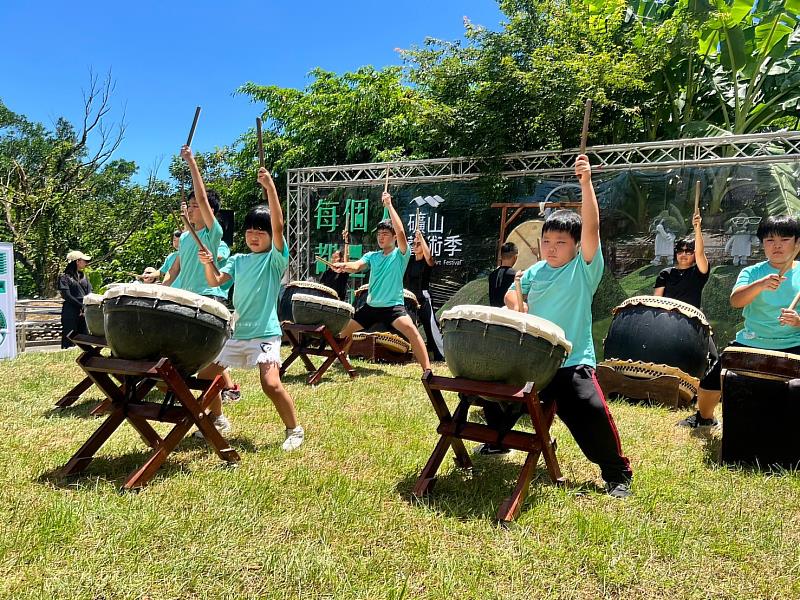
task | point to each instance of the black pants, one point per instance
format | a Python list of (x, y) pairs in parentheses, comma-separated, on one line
[(581, 406), (71, 321), (433, 336)]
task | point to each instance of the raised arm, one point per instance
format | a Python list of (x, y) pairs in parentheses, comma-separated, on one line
[(397, 222), (199, 188), (699, 245), (275, 212), (590, 211), (426, 250), (212, 278), (745, 294)]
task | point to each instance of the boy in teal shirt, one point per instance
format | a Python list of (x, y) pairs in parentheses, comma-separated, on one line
[(152, 275), (560, 289), (765, 296), (256, 340), (385, 301)]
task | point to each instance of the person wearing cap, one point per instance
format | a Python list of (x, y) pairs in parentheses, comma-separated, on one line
[(73, 285)]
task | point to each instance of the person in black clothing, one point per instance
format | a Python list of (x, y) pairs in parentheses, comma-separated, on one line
[(337, 281), (503, 276), (73, 285), (417, 280), (686, 280)]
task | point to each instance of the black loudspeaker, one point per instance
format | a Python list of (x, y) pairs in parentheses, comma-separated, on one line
[(760, 420), (225, 218)]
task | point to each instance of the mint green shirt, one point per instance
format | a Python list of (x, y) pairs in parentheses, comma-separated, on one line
[(761, 326), (193, 274), (257, 277), (168, 262), (386, 277), (564, 297)]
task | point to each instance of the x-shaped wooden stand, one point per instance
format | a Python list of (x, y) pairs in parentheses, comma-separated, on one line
[(127, 404), (92, 345), (312, 340), (453, 428)]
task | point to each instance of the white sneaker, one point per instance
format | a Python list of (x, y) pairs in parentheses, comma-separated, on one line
[(222, 424), (294, 439)]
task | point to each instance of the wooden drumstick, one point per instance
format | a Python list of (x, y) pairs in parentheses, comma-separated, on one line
[(325, 262), (539, 247), (416, 222), (200, 243), (386, 183), (260, 142), (194, 126), (794, 303), (346, 236), (697, 197), (587, 113)]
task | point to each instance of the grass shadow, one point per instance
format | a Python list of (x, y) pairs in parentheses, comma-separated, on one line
[(479, 492), (303, 377), (80, 409)]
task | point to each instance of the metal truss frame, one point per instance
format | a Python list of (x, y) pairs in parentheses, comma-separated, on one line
[(691, 152)]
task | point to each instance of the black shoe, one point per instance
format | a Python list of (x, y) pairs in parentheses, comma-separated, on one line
[(695, 421), (619, 489), (490, 450)]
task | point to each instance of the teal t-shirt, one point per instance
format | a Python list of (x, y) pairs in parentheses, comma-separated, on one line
[(168, 262), (223, 254), (386, 277), (564, 297), (193, 274), (761, 326), (258, 280)]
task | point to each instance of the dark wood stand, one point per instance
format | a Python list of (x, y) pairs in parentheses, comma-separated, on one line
[(91, 344), (453, 428), (663, 390), (310, 340), (126, 403), (371, 350)]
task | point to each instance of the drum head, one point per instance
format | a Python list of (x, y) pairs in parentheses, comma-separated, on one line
[(93, 300), (526, 236), (329, 302), (313, 285), (169, 294), (666, 304), (505, 317), (410, 297)]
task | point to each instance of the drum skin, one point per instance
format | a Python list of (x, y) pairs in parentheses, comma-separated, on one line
[(300, 287), (655, 335), (305, 311), (94, 319), (493, 352), (149, 329)]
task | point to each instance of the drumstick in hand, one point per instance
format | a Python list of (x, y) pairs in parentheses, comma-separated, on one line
[(416, 221), (587, 113), (697, 197), (199, 242), (194, 126), (261, 152), (325, 262), (386, 183), (794, 303)]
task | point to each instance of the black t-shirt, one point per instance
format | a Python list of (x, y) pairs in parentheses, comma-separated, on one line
[(417, 277), (685, 285), (499, 281), (337, 281)]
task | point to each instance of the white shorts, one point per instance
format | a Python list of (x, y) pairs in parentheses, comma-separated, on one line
[(248, 354)]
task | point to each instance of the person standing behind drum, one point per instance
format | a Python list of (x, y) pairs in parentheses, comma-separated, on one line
[(764, 295), (334, 280), (385, 302), (152, 275), (503, 276), (560, 288), (73, 285), (686, 280), (417, 280), (256, 337)]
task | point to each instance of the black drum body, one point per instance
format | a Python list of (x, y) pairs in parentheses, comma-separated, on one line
[(139, 328), (301, 287), (94, 319), (652, 334), (313, 310)]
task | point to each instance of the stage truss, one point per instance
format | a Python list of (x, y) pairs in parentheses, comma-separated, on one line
[(692, 152)]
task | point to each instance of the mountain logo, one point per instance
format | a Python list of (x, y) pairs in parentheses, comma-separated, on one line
[(433, 201)]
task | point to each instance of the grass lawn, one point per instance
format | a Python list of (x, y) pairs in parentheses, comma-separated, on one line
[(336, 520)]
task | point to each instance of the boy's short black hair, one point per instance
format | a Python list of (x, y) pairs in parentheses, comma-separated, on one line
[(684, 243), (508, 250), (213, 199), (385, 224), (258, 218), (783, 226), (177, 233), (564, 220)]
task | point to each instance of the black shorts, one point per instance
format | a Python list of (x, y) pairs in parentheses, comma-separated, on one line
[(367, 315), (224, 301)]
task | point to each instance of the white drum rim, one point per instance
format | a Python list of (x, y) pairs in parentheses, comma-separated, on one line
[(687, 385), (330, 302), (314, 286), (762, 351), (387, 339), (667, 304), (93, 299), (170, 294), (505, 317)]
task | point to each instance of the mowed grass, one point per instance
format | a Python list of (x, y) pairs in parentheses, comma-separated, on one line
[(336, 519)]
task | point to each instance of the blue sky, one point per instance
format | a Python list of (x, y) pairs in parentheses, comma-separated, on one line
[(168, 57)]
